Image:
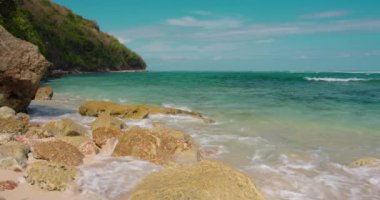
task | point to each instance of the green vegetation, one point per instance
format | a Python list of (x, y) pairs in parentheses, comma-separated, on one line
[(66, 39)]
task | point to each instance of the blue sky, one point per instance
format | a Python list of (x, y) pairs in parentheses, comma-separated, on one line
[(293, 35)]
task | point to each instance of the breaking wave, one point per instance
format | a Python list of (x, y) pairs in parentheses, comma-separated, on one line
[(328, 79)]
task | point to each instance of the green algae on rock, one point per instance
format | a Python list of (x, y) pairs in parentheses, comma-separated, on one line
[(50, 176), (203, 181)]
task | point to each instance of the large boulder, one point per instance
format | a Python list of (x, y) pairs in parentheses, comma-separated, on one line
[(50, 176), (13, 155), (44, 93), (94, 108), (7, 112), (58, 151), (84, 144), (21, 68), (158, 145), (65, 127), (203, 181)]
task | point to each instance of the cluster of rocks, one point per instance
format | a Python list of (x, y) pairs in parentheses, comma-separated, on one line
[(49, 154)]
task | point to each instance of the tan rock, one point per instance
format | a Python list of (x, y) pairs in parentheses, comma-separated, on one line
[(37, 133), (203, 181), (13, 155), (21, 68), (94, 108), (65, 127), (105, 120), (159, 145), (44, 93), (7, 112), (84, 144), (12, 126), (101, 135), (58, 151), (50, 176), (367, 161)]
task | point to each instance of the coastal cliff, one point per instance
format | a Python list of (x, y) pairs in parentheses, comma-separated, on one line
[(67, 40)]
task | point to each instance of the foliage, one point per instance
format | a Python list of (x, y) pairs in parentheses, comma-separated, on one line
[(66, 39)]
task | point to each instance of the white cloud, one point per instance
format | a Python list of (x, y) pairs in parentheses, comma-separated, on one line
[(209, 24), (327, 14)]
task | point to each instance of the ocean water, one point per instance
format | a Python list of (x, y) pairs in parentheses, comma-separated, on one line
[(293, 133)]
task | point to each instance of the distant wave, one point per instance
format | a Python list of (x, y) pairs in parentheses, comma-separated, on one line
[(327, 79)]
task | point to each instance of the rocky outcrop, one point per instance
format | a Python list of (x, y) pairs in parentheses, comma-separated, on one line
[(13, 155), (94, 108), (21, 69), (50, 176), (58, 151), (104, 120), (159, 145), (367, 162), (44, 93), (12, 124), (65, 127), (203, 181), (84, 144)]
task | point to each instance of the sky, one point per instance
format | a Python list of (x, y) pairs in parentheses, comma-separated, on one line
[(243, 35)]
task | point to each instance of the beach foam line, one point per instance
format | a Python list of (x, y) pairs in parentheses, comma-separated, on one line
[(328, 79)]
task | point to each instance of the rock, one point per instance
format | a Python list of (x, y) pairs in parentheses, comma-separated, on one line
[(23, 117), (158, 146), (12, 126), (44, 93), (21, 68), (367, 162), (7, 112), (50, 176), (94, 108), (101, 135), (65, 127), (58, 151), (203, 181), (84, 144), (7, 185), (13, 156), (105, 120), (37, 133)]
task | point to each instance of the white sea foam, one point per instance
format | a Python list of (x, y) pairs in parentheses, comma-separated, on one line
[(167, 105), (329, 79), (111, 178)]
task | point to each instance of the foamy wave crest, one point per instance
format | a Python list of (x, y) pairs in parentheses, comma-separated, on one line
[(327, 79), (185, 108), (113, 178)]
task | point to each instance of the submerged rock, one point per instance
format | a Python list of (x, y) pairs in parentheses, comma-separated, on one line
[(44, 93), (94, 108), (105, 120), (13, 155), (58, 151), (368, 161), (203, 181), (50, 176), (65, 127), (159, 145), (21, 68)]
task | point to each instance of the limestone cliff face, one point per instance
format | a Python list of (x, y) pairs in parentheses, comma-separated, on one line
[(21, 68)]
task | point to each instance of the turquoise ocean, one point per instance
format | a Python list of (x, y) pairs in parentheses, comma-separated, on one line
[(293, 133)]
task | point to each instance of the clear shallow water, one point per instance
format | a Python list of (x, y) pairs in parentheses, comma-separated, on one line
[(292, 132)]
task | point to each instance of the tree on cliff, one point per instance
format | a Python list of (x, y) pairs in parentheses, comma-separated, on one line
[(66, 39)]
